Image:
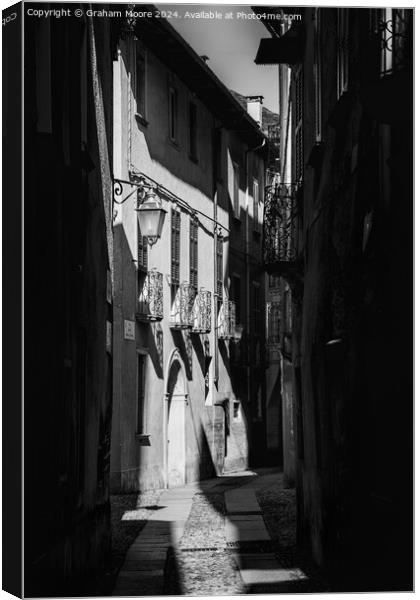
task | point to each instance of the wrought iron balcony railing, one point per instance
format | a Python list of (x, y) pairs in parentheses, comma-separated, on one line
[(227, 320), (280, 242), (150, 303), (202, 312), (394, 28), (182, 316)]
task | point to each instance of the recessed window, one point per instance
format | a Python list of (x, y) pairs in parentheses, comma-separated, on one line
[(173, 114), (193, 131), (141, 368), (256, 202), (236, 190), (236, 296), (141, 80)]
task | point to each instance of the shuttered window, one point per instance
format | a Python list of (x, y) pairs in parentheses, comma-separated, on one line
[(175, 245), (142, 254), (194, 253), (219, 266)]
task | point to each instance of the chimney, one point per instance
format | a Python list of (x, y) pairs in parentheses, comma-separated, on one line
[(254, 108)]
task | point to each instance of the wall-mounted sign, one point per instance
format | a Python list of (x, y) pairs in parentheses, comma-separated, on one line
[(129, 330)]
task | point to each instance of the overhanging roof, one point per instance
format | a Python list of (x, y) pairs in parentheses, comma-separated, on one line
[(287, 49), (173, 50)]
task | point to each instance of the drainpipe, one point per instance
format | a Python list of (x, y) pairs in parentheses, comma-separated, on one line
[(247, 261)]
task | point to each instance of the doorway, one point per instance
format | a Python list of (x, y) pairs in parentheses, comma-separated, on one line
[(176, 426)]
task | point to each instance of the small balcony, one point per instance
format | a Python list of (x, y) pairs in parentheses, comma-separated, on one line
[(281, 228), (202, 312), (150, 303), (227, 320), (182, 316)]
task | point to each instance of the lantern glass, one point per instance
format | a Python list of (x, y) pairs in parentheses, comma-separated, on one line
[(151, 217)]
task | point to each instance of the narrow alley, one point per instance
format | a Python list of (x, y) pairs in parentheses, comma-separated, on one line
[(234, 534)]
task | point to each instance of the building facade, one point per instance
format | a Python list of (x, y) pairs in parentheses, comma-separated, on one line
[(339, 231), (184, 406), (68, 286)]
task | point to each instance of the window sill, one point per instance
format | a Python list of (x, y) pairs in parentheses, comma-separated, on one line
[(143, 439), (140, 119)]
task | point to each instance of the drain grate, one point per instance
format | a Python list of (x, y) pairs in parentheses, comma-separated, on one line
[(256, 547), (210, 549)]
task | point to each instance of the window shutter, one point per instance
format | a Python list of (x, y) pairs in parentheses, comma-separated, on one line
[(175, 245), (194, 254), (142, 250)]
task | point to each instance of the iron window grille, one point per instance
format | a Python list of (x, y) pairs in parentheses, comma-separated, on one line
[(227, 320), (280, 242), (150, 302), (182, 316), (298, 127), (394, 29), (202, 312)]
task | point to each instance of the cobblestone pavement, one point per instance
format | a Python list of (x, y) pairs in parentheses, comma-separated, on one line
[(230, 535)]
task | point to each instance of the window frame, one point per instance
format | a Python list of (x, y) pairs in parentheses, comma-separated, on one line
[(235, 200), (141, 103), (193, 131), (173, 114), (141, 420)]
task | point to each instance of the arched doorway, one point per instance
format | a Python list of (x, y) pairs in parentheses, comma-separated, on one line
[(176, 395)]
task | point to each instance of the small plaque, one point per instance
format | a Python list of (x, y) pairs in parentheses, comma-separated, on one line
[(129, 330)]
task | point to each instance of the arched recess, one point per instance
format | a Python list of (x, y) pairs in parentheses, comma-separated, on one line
[(176, 398)]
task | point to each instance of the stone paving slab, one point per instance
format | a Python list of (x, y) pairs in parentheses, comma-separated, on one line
[(264, 569), (143, 570), (241, 501)]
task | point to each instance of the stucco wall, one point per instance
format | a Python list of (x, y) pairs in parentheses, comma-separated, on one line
[(207, 411)]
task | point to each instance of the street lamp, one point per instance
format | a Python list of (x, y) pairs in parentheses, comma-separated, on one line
[(151, 216)]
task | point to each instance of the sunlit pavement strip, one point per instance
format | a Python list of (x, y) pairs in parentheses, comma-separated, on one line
[(144, 568), (255, 569)]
